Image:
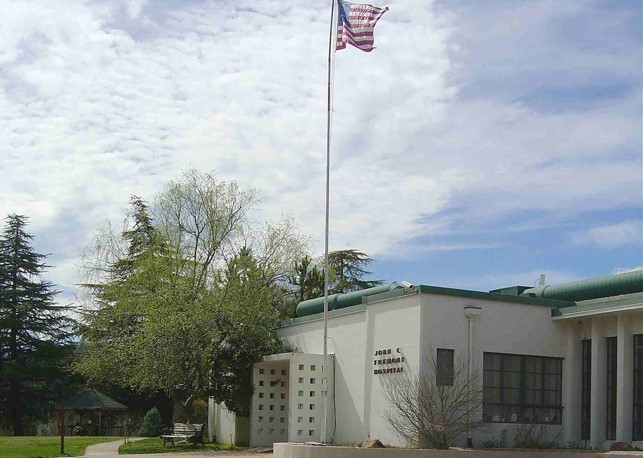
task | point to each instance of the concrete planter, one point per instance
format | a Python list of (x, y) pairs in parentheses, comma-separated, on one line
[(287, 450)]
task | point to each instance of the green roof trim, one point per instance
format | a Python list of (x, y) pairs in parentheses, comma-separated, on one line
[(496, 297), (592, 288), (91, 399), (426, 289), (604, 304), (320, 316), (339, 301)]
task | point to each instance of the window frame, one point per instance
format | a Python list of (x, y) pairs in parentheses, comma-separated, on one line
[(444, 379), (506, 388), (586, 388), (611, 355), (637, 387)]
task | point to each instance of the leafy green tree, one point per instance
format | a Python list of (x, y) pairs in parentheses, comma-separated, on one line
[(347, 272), (199, 290), (307, 279), (35, 333), (247, 320)]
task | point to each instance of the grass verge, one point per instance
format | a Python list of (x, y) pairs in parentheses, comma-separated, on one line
[(47, 446), (155, 445)]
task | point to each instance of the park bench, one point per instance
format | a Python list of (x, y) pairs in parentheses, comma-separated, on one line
[(187, 432)]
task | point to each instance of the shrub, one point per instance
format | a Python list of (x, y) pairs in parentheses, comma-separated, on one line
[(200, 409), (151, 423), (430, 410), (535, 436), (495, 442)]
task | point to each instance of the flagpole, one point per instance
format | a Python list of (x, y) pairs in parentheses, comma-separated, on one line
[(332, 43)]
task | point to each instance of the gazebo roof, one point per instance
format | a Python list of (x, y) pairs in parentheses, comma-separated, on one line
[(90, 399)]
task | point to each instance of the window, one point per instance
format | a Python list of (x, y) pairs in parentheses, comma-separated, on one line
[(312, 394), (272, 372), (300, 419), (637, 425), (610, 417), (272, 407), (522, 389), (300, 406), (282, 408), (586, 388), (444, 367), (260, 395), (282, 419), (313, 367), (260, 407), (271, 419), (283, 384), (300, 393), (299, 432), (260, 418), (311, 419), (283, 372), (260, 382), (300, 380), (261, 371), (301, 367), (311, 406), (312, 380), (283, 395), (311, 432), (272, 395)]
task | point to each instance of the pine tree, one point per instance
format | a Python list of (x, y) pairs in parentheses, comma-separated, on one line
[(349, 268), (35, 334)]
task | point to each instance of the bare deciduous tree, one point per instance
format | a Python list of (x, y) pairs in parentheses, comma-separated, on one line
[(431, 408)]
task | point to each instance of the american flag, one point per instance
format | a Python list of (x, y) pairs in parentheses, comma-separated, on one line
[(356, 23)]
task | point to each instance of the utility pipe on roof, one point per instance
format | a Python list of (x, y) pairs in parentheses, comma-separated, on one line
[(471, 313), (591, 288)]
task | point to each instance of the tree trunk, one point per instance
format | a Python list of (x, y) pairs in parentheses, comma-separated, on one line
[(15, 409)]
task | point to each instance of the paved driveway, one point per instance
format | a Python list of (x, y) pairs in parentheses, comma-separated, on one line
[(110, 450)]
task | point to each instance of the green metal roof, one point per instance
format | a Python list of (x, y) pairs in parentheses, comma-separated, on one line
[(563, 297), (90, 399), (592, 288), (496, 297), (605, 304), (338, 301)]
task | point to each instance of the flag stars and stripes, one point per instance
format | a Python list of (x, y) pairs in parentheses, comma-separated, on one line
[(356, 23)]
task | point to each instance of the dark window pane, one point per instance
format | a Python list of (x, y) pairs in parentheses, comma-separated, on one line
[(444, 367), (512, 363)]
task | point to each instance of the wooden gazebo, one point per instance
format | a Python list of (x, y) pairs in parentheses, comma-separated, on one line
[(92, 413)]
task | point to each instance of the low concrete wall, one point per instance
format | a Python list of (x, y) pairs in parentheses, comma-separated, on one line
[(285, 450)]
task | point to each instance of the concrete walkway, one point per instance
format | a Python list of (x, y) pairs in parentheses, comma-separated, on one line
[(110, 450), (104, 449)]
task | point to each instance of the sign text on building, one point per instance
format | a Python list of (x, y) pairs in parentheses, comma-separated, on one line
[(393, 361)]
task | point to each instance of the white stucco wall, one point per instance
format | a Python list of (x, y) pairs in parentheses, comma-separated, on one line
[(418, 323), (414, 324), (354, 339)]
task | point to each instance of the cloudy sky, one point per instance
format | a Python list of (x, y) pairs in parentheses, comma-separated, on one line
[(480, 144)]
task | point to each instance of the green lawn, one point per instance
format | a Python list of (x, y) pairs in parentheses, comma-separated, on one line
[(46, 446), (155, 445)]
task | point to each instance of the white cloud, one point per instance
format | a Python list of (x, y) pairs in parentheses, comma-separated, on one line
[(101, 101), (611, 235), (621, 270)]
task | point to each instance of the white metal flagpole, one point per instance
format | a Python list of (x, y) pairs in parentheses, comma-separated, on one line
[(332, 43)]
